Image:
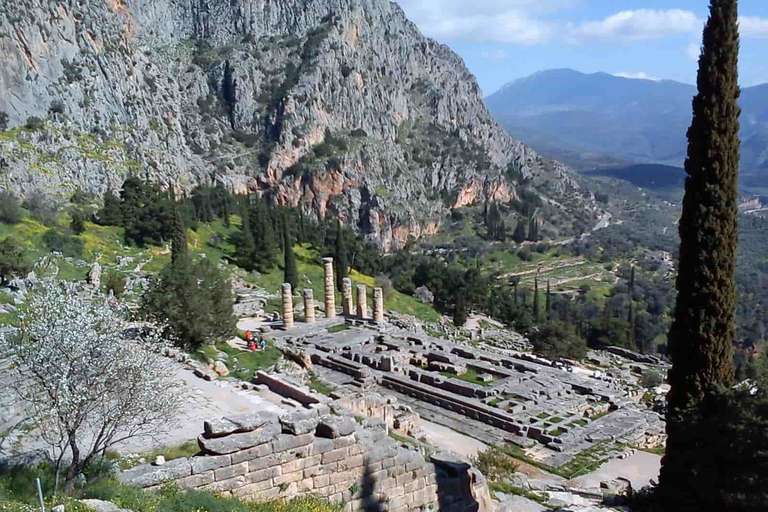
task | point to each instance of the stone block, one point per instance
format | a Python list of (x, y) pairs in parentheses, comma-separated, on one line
[(148, 475), (253, 488), (268, 495), (305, 485), (287, 478), (312, 461), (236, 442), (405, 478), (237, 424), (294, 465), (321, 445), (400, 501), (263, 474), (231, 471), (225, 485), (332, 427), (205, 463), (285, 442), (263, 462), (252, 453), (300, 422), (193, 481), (341, 442), (321, 481), (334, 455), (320, 469), (351, 462)]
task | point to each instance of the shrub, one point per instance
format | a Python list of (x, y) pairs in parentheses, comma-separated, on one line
[(42, 208), (385, 283), (57, 107), (359, 132), (115, 283), (77, 223), (66, 244), (495, 464), (10, 209), (3, 120), (33, 123), (651, 380)]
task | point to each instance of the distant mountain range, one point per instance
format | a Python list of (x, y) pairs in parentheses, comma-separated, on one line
[(596, 121)]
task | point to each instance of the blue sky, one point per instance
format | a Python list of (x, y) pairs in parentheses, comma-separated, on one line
[(501, 40)]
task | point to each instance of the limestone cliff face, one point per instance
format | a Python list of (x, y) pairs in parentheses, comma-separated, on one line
[(340, 106)]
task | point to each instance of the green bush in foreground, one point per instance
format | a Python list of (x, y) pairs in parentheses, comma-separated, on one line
[(18, 494)]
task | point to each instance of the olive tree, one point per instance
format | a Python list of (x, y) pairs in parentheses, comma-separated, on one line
[(88, 385)]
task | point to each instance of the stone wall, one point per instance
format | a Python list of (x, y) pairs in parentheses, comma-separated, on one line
[(260, 456)]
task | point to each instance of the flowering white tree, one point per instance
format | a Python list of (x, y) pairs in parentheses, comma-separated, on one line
[(88, 386)]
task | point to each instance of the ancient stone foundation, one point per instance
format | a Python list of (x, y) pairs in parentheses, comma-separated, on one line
[(378, 305), (362, 301), (309, 306), (311, 452), (330, 297), (287, 306), (346, 288)]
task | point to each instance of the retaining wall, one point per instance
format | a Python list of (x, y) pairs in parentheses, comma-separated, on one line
[(263, 457)]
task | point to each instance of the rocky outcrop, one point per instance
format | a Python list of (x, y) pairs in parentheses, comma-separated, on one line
[(341, 107)]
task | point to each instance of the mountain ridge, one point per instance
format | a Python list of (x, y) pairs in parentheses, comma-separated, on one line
[(633, 120), (341, 107)]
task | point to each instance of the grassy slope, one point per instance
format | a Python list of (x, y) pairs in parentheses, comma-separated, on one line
[(105, 243)]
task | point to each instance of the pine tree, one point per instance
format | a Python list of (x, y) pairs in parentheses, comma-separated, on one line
[(519, 235), (111, 213), (703, 329), (291, 274), (536, 297), (340, 258)]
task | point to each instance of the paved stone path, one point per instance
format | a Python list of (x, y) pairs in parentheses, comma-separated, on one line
[(448, 439), (638, 468)]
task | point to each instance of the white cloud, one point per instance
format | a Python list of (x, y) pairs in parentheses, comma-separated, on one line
[(638, 25), (497, 54), (511, 21), (640, 75), (753, 27)]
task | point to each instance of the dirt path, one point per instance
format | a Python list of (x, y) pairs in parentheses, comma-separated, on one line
[(447, 439), (638, 468)]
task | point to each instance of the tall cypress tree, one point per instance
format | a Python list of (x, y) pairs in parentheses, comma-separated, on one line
[(549, 301), (291, 274), (702, 332), (519, 234), (178, 234), (340, 259), (536, 297)]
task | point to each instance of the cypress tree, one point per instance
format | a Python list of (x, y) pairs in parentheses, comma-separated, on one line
[(291, 274), (340, 259), (533, 230), (519, 234), (702, 332), (549, 301), (178, 234), (536, 297), (703, 329), (514, 284)]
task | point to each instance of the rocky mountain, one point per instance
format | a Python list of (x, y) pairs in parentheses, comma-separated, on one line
[(601, 120), (339, 106)]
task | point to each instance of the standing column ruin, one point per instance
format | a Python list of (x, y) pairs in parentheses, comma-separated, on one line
[(287, 306), (378, 305), (362, 301), (330, 293), (346, 303), (309, 306)]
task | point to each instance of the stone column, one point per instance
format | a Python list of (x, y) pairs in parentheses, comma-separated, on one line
[(330, 297), (378, 305), (362, 301), (346, 303), (287, 306), (309, 306)]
